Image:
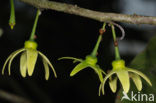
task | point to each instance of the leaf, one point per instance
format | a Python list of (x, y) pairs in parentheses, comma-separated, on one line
[(146, 63)]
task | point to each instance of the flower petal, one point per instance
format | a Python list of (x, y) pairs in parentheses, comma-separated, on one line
[(31, 60), (137, 80), (72, 58), (7, 61), (78, 68), (47, 60), (124, 79), (100, 88), (99, 71), (113, 84), (140, 74), (106, 77), (46, 67), (12, 57), (23, 64), (102, 71)]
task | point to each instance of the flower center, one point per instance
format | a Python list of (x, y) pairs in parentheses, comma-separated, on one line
[(91, 60), (30, 45), (118, 64)]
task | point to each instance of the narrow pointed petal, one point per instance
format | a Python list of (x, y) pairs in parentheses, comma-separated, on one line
[(72, 58), (99, 71), (100, 88), (140, 74), (23, 64), (102, 71), (47, 60), (137, 80), (31, 60), (46, 67), (105, 79), (124, 79), (7, 61), (12, 57), (113, 84), (100, 76), (78, 68)]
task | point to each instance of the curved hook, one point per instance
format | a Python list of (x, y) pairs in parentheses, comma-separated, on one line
[(121, 28)]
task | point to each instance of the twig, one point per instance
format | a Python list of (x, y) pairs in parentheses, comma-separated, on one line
[(100, 16), (13, 98)]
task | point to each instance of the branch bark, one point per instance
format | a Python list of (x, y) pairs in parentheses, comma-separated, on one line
[(95, 15)]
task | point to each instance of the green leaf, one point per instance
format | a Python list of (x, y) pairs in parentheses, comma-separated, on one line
[(146, 63)]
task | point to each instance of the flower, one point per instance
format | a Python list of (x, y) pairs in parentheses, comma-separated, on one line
[(89, 61), (124, 74), (28, 60)]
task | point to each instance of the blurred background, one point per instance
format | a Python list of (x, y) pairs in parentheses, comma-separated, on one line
[(60, 34)]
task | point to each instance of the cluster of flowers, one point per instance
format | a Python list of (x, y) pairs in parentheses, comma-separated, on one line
[(123, 73)]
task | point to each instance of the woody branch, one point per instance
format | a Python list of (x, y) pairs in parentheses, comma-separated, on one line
[(95, 15)]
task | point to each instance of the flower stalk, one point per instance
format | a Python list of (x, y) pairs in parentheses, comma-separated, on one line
[(117, 54), (32, 36), (102, 30)]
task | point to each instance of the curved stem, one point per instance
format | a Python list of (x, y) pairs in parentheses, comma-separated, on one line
[(94, 52), (12, 14), (34, 26), (117, 54)]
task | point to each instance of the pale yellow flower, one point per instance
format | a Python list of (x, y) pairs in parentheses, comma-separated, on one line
[(28, 60), (124, 74)]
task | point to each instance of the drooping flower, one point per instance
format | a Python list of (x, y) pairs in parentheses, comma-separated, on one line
[(28, 60), (90, 61), (124, 74), (29, 55)]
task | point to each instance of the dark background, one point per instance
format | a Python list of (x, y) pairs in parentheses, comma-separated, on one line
[(60, 34)]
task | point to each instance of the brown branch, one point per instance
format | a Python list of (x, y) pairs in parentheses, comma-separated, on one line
[(100, 16), (13, 98)]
